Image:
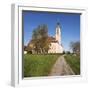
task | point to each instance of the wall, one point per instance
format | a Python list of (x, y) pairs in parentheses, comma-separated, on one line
[(5, 43)]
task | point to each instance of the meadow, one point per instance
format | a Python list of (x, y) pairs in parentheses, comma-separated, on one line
[(74, 62), (38, 65)]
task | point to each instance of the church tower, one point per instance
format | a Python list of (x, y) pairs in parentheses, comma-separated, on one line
[(58, 33), (56, 47)]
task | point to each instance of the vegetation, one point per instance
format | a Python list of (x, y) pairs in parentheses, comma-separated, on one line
[(40, 39), (68, 52), (75, 46), (38, 65), (63, 52), (74, 62)]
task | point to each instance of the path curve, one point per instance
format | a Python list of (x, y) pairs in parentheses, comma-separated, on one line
[(61, 68)]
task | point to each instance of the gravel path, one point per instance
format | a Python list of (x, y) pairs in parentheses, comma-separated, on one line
[(61, 68)]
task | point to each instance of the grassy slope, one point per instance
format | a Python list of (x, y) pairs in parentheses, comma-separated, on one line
[(38, 65), (74, 62)]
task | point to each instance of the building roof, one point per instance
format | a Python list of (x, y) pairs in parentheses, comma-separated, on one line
[(52, 39)]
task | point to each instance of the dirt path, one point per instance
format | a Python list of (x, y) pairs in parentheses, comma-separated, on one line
[(61, 68)]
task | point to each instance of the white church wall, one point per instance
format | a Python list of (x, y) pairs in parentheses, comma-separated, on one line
[(55, 48)]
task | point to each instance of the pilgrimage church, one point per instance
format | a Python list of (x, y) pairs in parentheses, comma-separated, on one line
[(56, 45)]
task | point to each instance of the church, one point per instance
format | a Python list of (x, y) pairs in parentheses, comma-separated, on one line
[(55, 42), (56, 45)]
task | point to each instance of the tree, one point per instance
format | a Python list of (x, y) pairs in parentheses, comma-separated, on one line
[(75, 47), (63, 52), (40, 39), (25, 48)]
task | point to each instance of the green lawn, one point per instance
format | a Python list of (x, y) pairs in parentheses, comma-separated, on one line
[(38, 65), (74, 62)]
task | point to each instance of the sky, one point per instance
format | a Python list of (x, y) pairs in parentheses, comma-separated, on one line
[(69, 22)]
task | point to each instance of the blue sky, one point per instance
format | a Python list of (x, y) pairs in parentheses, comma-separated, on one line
[(70, 25)]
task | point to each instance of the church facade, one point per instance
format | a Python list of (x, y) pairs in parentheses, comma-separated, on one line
[(56, 45)]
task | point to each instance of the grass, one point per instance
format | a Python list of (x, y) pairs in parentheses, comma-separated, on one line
[(38, 65), (74, 62)]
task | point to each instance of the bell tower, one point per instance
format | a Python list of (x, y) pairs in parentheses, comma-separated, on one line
[(58, 33)]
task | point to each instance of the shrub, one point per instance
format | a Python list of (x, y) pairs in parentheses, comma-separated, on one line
[(68, 52)]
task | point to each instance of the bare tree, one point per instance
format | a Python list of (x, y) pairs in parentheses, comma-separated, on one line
[(75, 47)]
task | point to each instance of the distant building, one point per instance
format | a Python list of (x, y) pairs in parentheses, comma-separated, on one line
[(55, 45)]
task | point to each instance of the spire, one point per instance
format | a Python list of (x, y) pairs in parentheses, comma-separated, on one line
[(58, 32), (58, 23)]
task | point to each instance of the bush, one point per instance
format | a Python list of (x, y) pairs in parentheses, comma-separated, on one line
[(29, 52), (68, 52)]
